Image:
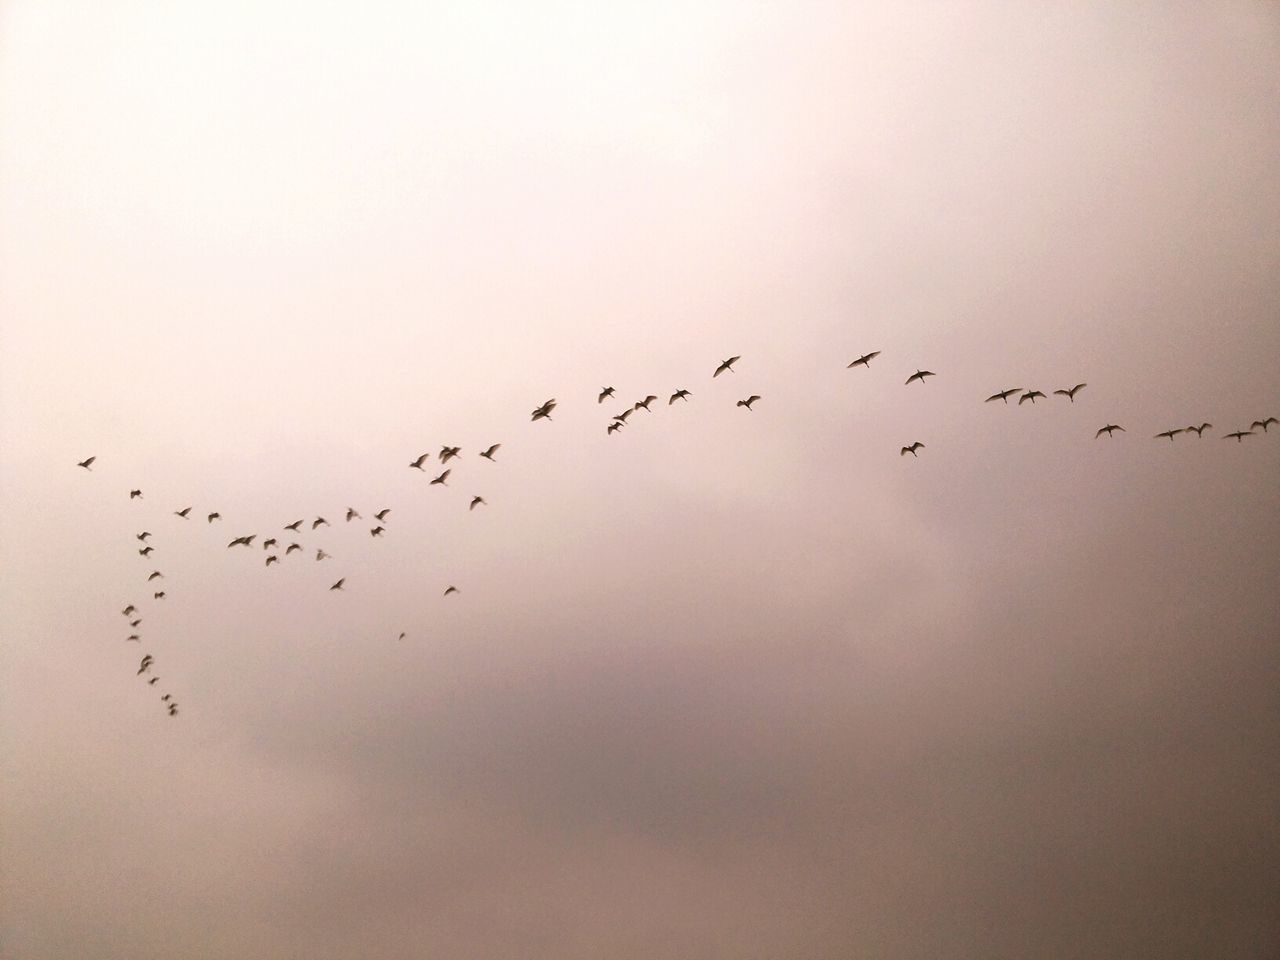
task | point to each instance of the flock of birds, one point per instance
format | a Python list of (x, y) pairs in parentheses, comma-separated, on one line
[(273, 552)]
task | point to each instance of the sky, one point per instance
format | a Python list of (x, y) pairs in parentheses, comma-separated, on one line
[(726, 683)]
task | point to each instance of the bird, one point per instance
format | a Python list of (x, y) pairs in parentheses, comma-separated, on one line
[(749, 401), (353, 514), (604, 392), (338, 585), (135, 494), (441, 479), (614, 426), (182, 513), (292, 547), (214, 516), (1239, 435), (864, 360), (1070, 394), (450, 590), (321, 555), (376, 531), (145, 551), (488, 454), (448, 453), (417, 464), (622, 417), (381, 515), (726, 365), (87, 464), (129, 609), (1109, 429), (152, 681), (912, 450), (680, 394), (1003, 395), (145, 665), (1199, 431), (544, 412), (644, 404), (1263, 423), (143, 535), (268, 543), (173, 709), (243, 541), (155, 575), (476, 501), (293, 526), (1169, 433), (271, 559), (167, 697), (158, 596), (134, 623), (317, 521), (920, 375), (133, 637), (1030, 395), (402, 635)]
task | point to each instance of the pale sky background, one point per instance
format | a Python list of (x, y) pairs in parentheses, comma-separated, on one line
[(726, 684)]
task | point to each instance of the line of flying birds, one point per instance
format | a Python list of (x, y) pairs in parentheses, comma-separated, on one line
[(618, 421)]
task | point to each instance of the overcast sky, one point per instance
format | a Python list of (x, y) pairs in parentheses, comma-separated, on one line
[(726, 684)]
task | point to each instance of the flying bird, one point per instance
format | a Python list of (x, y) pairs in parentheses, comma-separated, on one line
[(338, 585), (679, 395), (1070, 394), (321, 555), (544, 412), (243, 541), (749, 401), (417, 464), (271, 559), (214, 516), (644, 404), (135, 494), (173, 709), (129, 609), (381, 515), (864, 360), (182, 513), (1003, 395), (920, 375), (158, 596), (476, 501), (448, 453), (402, 635), (1169, 433), (450, 590), (622, 417), (605, 392), (352, 514), (488, 454), (317, 521), (133, 637), (292, 547), (87, 464), (134, 623), (1199, 431), (167, 697), (1030, 395), (268, 543), (1109, 429), (145, 665), (376, 531), (143, 535), (155, 575), (152, 681), (1263, 423), (1239, 435), (293, 526), (912, 450), (442, 478), (614, 426), (726, 365), (145, 551)]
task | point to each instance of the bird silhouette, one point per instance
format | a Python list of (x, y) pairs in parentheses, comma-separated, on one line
[(317, 521), (749, 401), (726, 365), (268, 543), (1003, 395), (1109, 429), (475, 502), (167, 697), (134, 623), (353, 514), (1239, 435), (544, 412), (1199, 431), (321, 555), (448, 453), (864, 360), (271, 559), (1070, 394), (381, 515), (158, 596), (143, 536), (135, 494), (145, 665), (133, 637), (488, 454), (182, 513), (912, 450), (214, 516), (615, 426), (443, 478), (605, 392), (450, 590), (417, 464), (1169, 433), (1029, 395), (129, 609), (402, 635), (376, 531), (920, 375), (152, 681), (292, 547), (155, 575), (680, 394), (243, 541), (145, 551), (338, 585), (644, 404), (1263, 423), (622, 417), (293, 526), (87, 464)]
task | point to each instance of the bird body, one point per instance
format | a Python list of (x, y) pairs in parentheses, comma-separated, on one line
[(243, 541), (155, 575), (182, 513), (644, 404), (338, 585), (268, 543), (604, 392), (381, 515), (442, 479), (318, 521), (1263, 423), (912, 450), (1029, 395), (145, 551), (616, 425), (475, 502), (143, 535), (726, 365), (292, 547), (417, 464), (680, 394), (129, 609), (488, 454), (214, 516), (749, 401), (87, 464), (293, 526), (1071, 393), (622, 417), (135, 494), (1109, 429), (1169, 433), (1238, 436), (1003, 395), (448, 453), (353, 514), (544, 412), (158, 596), (920, 375), (271, 559), (1199, 431), (864, 360), (376, 532), (450, 590), (321, 555)]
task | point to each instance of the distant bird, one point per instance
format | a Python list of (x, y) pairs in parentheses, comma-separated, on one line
[(920, 375), (353, 514), (155, 575), (152, 681), (1109, 429), (271, 559), (448, 453), (1239, 435), (622, 417), (268, 543), (145, 551), (1170, 434), (129, 609), (442, 478), (133, 637), (726, 365), (214, 516), (544, 412), (134, 623), (292, 547), (1199, 431), (243, 541), (476, 501), (87, 464), (644, 404), (1070, 394), (317, 521), (338, 585), (1263, 423), (381, 515), (864, 360), (321, 555), (417, 464), (143, 535), (158, 596), (402, 635), (450, 590), (912, 450), (488, 454), (376, 531), (167, 697), (1029, 395), (1003, 395), (182, 513), (173, 709), (145, 665), (135, 494), (679, 395), (605, 392), (616, 425), (749, 401)]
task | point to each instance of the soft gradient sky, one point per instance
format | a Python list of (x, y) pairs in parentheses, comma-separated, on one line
[(726, 684)]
